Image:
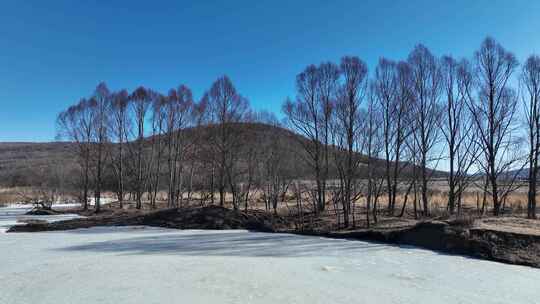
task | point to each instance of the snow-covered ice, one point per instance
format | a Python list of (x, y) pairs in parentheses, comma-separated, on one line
[(152, 265)]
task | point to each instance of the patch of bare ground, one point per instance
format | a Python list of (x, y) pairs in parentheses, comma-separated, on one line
[(510, 224)]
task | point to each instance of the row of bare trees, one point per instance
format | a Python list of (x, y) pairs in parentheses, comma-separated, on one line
[(417, 115), (147, 147), (327, 112), (370, 139)]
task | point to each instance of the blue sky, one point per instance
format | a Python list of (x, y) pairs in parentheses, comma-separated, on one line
[(54, 52)]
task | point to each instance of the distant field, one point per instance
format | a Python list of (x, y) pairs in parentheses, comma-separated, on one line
[(9, 196)]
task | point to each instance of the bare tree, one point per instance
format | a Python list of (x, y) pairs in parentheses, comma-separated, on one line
[(493, 113), (120, 130), (177, 108), (458, 128), (373, 145), (226, 108), (100, 104), (305, 116), (392, 88), (183, 144), (530, 81), (157, 147), (327, 85), (76, 124), (276, 164), (426, 87), (347, 113), (139, 101)]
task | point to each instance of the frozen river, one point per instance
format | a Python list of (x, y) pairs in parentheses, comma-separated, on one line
[(151, 265)]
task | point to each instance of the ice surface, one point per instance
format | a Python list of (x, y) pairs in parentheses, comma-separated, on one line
[(152, 265)]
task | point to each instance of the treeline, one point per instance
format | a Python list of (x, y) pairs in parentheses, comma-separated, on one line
[(365, 138), (422, 111), (143, 143)]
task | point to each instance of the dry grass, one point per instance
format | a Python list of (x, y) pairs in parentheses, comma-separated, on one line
[(515, 206), (512, 221), (510, 224), (10, 195), (20, 194), (516, 201)]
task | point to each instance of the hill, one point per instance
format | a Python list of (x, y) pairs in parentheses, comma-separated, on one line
[(19, 160)]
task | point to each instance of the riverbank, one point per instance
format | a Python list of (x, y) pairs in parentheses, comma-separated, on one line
[(489, 244), (211, 217), (503, 240)]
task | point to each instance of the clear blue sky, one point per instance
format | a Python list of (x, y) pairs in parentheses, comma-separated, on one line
[(54, 52)]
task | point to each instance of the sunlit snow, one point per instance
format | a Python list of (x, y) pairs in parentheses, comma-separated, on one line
[(152, 265)]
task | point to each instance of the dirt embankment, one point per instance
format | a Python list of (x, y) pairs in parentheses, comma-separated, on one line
[(211, 217), (480, 240), (495, 245), (42, 212)]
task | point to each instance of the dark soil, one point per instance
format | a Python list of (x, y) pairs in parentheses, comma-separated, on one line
[(494, 245), (42, 212), (211, 217)]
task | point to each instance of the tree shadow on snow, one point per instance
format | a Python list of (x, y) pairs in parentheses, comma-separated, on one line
[(230, 243)]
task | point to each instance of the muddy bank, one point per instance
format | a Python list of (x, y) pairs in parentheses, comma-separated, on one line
[(42, 212), (494, 245), (476, 241), (212, 217)]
